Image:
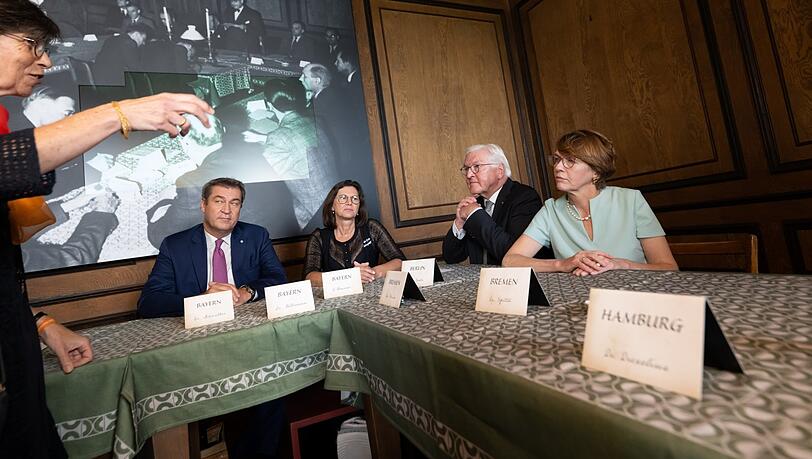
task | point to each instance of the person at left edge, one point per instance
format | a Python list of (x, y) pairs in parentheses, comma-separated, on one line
[(28, 158), (187, 263), (220, 254)]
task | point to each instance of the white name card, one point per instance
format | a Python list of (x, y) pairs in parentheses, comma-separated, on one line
[(393, 286), (287, 299), (342, 283), (257, 60), (91, 37), (208, 309), (425, 272), (507, 290), (652, 338), (399, 285)]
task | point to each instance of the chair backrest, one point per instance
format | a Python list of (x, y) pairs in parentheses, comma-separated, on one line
[(716, 252), (81, 71)]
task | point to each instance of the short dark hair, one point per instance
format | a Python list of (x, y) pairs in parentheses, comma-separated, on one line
[(327, 214), (285, 95), (298, 22), (224, 182), (22, 16), (140, 28), (349, 57)]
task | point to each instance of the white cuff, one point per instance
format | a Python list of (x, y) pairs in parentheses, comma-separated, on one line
[(458, 233)]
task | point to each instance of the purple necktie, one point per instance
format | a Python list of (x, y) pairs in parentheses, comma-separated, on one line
[(219, 271)]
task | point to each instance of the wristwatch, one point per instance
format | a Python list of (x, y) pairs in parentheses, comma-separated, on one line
[(250, 291)]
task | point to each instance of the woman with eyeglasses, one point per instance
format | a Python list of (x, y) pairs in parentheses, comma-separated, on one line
[(592, 228), (27, 160), (349, 238)]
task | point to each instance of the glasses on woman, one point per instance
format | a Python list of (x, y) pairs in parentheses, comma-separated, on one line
[(474, 168), (37, 47), (343, 198), (567, 162)]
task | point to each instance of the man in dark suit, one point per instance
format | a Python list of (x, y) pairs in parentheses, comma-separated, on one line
[(135, 17), (120, 54), (330, 48), (188, 262), (115, 15), (490, 220), (241, 28), (215, 256), (347, 64), (332, 112), (298, 46)]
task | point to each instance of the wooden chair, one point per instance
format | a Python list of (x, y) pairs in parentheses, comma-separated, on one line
[(81, 71), (716, 252), (310, 406)]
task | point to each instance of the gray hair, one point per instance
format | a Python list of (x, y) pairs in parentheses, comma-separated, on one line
[(495, 154), (319, 71)]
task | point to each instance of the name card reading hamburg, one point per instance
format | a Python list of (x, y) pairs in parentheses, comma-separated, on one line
[(287, 299), (208, 309), (398, 285), (425, 272), (653, 338), (508, 291), (342, 283)]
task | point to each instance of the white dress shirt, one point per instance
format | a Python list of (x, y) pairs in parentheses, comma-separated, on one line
[(459, 233), (226, 247), (237, 14)]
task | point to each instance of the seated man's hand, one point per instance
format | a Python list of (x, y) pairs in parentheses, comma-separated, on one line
[(72, 349), (464, 209), (244, 296), (468, 208), (215, 287)]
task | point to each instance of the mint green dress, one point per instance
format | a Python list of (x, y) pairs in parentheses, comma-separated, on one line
[(620, 218)]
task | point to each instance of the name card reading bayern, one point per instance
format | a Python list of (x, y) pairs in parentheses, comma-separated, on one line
[(422, 271), (342, 283), (287, 299), (503, 290), (652, 338), (208, 309)]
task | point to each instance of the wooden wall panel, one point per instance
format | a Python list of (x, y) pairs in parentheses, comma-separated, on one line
[(639, 70), (782, 38), (446, 85)]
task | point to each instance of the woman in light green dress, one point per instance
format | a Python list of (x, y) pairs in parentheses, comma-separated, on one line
[(592, 228)]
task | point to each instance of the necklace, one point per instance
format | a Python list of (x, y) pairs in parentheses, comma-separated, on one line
[(574, 212)]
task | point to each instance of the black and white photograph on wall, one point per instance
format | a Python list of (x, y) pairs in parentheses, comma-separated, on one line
[(289, 122)]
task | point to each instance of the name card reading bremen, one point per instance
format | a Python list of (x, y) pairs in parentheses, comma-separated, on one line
[(653, 338), (342, 282), (208, 309), (503, 290), (286, 299)]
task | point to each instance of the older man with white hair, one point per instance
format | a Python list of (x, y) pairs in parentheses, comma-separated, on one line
[(496, 213)]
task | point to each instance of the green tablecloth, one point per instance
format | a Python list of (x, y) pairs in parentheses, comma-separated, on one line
[(466, 384), (149, 375), (460, 383)]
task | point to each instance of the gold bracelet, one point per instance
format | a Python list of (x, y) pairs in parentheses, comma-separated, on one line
[(125, 123), (46, 322)]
